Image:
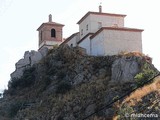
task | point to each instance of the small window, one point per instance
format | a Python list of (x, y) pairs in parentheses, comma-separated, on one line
[(81, 31), (86, 27), (71, 45), (53, 33)]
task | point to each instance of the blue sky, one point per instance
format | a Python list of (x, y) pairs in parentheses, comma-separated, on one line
[(19, 20)]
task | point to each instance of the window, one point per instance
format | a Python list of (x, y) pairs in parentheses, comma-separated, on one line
[(86, 27), (81, 31), (53, 33), (71, 45)]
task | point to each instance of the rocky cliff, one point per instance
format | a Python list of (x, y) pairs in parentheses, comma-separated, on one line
[(66, 84)]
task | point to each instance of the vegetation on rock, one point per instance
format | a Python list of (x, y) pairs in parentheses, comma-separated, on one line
[(69, 85)]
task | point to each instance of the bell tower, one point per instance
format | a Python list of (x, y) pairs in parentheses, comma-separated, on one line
[(50, 33)]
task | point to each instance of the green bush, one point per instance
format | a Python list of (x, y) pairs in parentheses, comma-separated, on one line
[(124, 112), (146, 74)]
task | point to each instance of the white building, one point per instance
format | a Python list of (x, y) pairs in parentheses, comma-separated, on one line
[(104, 34)]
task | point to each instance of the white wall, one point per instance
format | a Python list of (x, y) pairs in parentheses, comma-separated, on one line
[(97, 45), (86, 44), (73, 40), (93, 26), (107, 21), (112, 42), (82, 26)]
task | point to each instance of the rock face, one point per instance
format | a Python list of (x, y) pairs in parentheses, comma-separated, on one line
[(124, 69), (30, 58), (68, 85)]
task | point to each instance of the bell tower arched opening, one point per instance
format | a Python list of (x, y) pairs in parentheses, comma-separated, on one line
[(53, 33)]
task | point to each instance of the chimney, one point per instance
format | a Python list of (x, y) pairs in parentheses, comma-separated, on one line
[(50, 18), (100, 9)]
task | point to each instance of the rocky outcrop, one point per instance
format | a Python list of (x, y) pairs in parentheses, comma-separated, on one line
[(124, 69), (30, 58), (69, 85)]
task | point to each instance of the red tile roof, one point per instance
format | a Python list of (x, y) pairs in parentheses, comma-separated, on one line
[(98, 13), (116, 28), (85, 37), (70, 37), (50, 23)]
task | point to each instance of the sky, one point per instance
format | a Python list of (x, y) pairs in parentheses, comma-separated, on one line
[(19, 20)]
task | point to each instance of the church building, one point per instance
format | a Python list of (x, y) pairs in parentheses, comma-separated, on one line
[(99, 33), (50, 33)]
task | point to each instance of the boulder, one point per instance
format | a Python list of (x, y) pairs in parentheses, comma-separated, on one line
[(35, 57), (44, 51), (124, 69), (30, 58)]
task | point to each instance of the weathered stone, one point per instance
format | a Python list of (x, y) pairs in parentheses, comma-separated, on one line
[(35, 57), (43, 51), (90, 109), (25, 61), (78, 79), (124, 69), (17, 73), (30, 58)]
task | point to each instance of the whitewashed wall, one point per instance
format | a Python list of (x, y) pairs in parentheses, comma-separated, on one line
[(86, 44), (107, 21), (73, 41), (97, 45), (112, 42), (82, 26), (93, 23)]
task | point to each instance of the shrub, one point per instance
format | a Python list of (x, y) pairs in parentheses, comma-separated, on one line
[(61, 74), (146, 74), (45, 83), (52, 70), (26, 80), (124, 112), (14, 108), (63, 87)]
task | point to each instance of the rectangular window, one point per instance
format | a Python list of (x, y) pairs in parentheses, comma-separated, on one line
[(86, 27)]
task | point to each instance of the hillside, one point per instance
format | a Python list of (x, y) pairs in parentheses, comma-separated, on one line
[(66, 84)]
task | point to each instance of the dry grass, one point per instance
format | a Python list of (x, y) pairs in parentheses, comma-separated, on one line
[(134, 53), (141, 92)]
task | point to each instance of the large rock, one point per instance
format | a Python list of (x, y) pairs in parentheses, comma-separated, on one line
[(124, 69), (43, 51), (30, 58)]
